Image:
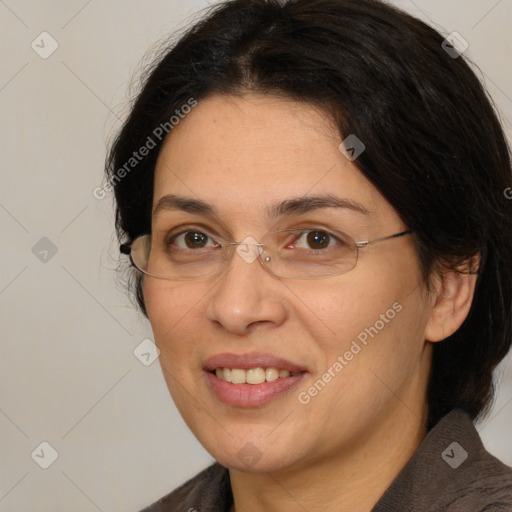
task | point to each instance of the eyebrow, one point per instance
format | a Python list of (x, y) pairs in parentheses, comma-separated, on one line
[(288, 207)]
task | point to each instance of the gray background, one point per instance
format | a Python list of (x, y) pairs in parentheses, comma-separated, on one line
[(68, 373)]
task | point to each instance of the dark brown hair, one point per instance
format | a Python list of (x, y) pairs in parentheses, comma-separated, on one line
[(434, 145)]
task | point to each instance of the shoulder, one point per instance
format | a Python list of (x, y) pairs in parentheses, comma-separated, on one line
[(451, 472), (489, 485), (208, 491), (477, 480)]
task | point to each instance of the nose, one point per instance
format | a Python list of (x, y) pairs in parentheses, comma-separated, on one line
[(247, 297)]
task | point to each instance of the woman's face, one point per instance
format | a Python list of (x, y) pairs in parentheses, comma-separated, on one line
[(355, 341)]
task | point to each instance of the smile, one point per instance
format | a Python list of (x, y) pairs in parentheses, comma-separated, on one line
[(251, 379), (252, 376)]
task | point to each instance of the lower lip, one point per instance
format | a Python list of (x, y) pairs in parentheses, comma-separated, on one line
[(251, 395)]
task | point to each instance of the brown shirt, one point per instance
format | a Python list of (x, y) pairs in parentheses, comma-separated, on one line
[(450, 472)]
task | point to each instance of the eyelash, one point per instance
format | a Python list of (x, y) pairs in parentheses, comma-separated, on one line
[(300, 232), (173, 234)]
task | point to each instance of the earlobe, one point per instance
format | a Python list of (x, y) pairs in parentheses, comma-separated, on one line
[(454, 295)]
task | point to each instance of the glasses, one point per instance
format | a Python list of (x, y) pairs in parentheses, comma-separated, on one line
[(297, 253)]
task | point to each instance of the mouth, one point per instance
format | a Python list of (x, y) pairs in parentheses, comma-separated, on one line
[(250, 380), (252, 376)]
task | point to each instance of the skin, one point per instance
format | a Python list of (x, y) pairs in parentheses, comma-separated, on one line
[(342, 450)]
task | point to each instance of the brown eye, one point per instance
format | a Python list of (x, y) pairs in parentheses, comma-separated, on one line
[(195, 239), (318, 239), (190, 240), (315, 240)]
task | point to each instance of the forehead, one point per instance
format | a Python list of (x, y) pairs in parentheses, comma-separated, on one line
[(243, 154)]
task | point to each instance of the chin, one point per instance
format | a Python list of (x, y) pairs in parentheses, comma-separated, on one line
[(256, 452), (251, 460)]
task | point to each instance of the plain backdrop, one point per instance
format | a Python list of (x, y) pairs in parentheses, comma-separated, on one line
[(69, 375)]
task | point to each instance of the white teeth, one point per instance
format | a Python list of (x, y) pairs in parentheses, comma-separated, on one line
[(271, 374), (237, 376), (226, 374), (252, 376), (255, 376)]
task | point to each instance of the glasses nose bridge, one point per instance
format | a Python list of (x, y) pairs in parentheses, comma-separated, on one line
[(249, 250)]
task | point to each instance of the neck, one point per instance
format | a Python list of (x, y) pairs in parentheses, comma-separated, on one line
[(349, 481)]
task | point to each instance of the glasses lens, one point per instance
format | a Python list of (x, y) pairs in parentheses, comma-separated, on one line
[(140, 252), (159, 258), (308, 254), (291, 253)]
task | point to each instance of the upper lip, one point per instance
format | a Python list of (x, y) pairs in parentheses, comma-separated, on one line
[(251, 360)]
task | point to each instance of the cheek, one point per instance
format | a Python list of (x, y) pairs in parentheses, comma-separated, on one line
[(336, 313), (159, 304), (390, 335), (171, 309), (371, 359), (372, 320)]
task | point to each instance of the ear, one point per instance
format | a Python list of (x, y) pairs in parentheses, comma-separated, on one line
[(454, 291)]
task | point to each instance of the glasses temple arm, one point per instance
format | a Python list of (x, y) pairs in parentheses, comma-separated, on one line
[(365, 243)]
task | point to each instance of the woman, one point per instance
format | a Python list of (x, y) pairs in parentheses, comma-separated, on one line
[(313, 195)]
